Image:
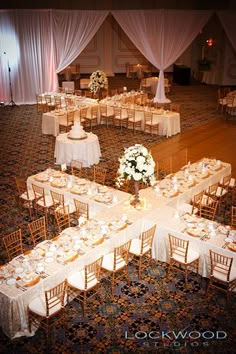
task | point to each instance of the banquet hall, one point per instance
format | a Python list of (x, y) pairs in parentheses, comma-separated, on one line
[(192, 149)]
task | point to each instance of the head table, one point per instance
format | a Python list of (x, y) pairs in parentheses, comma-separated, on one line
[(113, 221)]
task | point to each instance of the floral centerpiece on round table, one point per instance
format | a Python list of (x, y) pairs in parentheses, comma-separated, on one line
[(98, 81), (136, 165)]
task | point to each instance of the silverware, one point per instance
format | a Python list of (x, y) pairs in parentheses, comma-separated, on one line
[(22, 288)]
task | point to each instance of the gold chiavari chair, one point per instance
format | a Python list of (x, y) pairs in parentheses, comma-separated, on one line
[(41, 103), (50, 102), (38, 231), (99, 174), (62, 216), (48, 310), (134, 120), (25, 196), (92, 117), (150, 125), (42, 201), (233, 217), (141, 249), (67, 121), (81, 209), (182, 257), (120, 117), (208, 208), (85, 284), (83, 113), (116, 264), (105, 117), (13, 244), (222, 275)]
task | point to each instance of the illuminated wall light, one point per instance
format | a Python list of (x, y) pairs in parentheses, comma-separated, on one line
[(210, 42)]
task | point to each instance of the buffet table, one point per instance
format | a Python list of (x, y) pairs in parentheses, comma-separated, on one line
[(85, 150), (113, 222)]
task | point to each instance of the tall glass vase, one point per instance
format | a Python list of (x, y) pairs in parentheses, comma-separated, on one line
[(136, 199)]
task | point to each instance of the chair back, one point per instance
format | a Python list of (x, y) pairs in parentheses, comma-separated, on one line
[(62, 216), (225, 182), (83, 113), (178, 248), (39, 193), (99, 174), (76, 168), (103, 110), (131, 114), (92, 273), (13, 244), (70, 118), (57, 198), (208, 208), (81, 209), (233, 217), (38, 231), (94, 111), (148, 116), (55, 298), (212, 190), (220, 265), (117, 112), (163, 167), (147, 239), (196, 201), (121, 254), (21, 187)]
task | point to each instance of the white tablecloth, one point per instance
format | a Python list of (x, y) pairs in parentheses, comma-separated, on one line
[(87, 150), (156, 209)]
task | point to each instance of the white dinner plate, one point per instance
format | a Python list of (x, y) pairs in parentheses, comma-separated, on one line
[(49, 260), (11, 281), (19, 270)]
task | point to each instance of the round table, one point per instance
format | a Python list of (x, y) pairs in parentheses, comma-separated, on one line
[(85, 150)]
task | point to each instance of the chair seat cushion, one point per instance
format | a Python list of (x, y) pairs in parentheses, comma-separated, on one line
[(48, 201), (219, 274), (135, 247), (31, 196), (108, 262), (77, 280), (192, 256), (38, 306)]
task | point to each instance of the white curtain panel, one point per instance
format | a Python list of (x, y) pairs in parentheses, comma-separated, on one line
[(72, 31), (161, 36), (39, 44), (228, 21)]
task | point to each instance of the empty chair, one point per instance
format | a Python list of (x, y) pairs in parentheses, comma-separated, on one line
[(92, 117), (88, 94), (66, 121), (116, 264), (227, 182), (99, 174), (150, 124), (85, 284), (76, 168), (42, 201), (25, 196), (62, 216), (83, 114), (222, 275), (38, 231), (208, 208), (13, 244), (120, 117), (163, 167), (221, 100), (105, 116), (48, 310), (134, 121), (233, 217), (78, 92), (57, 198), (182, 257), (196, 202), (141, 249), (50, 102), (41, 103), (81, 209)]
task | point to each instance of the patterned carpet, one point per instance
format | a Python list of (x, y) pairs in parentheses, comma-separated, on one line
[(140, 312)]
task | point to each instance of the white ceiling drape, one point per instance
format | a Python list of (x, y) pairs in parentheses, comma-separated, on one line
[(228, 20), (38, 44), (72, 31), (161, 36)]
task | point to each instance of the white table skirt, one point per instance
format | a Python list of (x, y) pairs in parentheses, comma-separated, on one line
[(156, 209), (169, 122), (87, 151)]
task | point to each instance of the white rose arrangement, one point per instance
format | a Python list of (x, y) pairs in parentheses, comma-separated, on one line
[(136, 164), (98, 80)]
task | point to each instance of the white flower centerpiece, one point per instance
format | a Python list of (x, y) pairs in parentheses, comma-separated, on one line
[(136, 165), (98, 81)]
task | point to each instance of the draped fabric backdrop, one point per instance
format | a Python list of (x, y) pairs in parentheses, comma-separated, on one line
[(35, 45), (39, 44), (161, 36), (228, 20)]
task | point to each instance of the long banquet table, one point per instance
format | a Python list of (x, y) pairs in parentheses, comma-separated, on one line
[(113, 221)]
